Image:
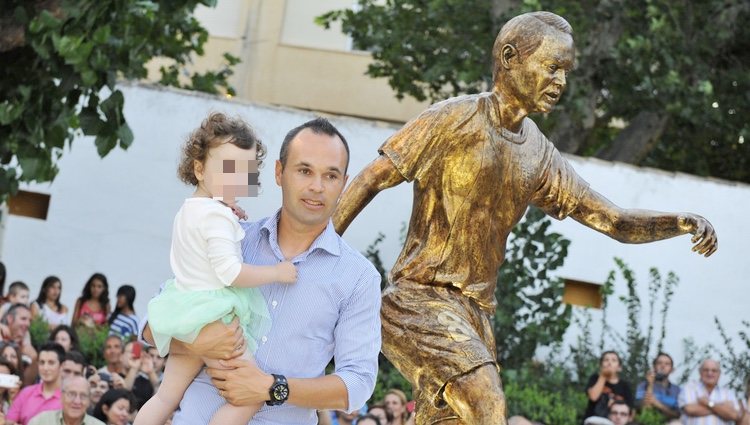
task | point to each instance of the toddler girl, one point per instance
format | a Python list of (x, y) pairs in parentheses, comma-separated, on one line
[(211, 283)]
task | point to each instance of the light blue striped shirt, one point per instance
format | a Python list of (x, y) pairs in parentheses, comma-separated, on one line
[(332, 311)]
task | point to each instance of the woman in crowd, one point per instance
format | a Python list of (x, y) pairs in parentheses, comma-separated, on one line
[(92, 307), (65, 336), (123, 322), (7, 394), (606, 386), (47, 304), (395, 407), (10, 352), (378, 410), (114, 407)]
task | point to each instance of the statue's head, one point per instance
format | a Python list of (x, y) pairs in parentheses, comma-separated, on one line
[(532, 54)]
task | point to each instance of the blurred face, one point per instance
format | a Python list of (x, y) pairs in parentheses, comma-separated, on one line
[(611, 360), (158, 361), (97, 387), (710, 372), (70, 368), (663, 365), (122, 302), (394, 405), (118, 413), (19, 324), (113, 350), (227, 172), (619, 414), (21, 297), (10, 354), (53, 291), (76, 398), (312, 179), (97, 288), (63, 338), (49, 367), (379, 413)]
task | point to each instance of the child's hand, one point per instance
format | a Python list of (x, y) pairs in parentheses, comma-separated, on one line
[(237, 210), (286, 272)]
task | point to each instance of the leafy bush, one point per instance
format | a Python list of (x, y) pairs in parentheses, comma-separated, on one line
[(91, 341), (39, 331)]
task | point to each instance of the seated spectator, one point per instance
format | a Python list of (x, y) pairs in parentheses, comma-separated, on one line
[(395, 408), (113, 351), (369, 420), (378, 410), (657, 391), (47, 304), (10, 352), (8, 393), (73, 365), (705, 401), (606, 386), (75, 402), (123, 321), (45, 395), (115, 407), (18, 293), (139, 375), (99, 383), (159, 363), (92, 307), (15, 328), (65, 336), (620, 413)]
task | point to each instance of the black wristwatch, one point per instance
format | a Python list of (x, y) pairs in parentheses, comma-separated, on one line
[(279, 391)]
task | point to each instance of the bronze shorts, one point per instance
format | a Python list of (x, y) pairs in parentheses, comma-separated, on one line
[(433, 334)]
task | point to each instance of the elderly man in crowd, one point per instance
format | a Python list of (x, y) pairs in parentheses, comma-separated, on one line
[(75, 402), (705, 402)]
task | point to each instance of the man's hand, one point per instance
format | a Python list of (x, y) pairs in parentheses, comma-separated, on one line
[(241, 382), (218, 341), (704, 235), (236, 209)]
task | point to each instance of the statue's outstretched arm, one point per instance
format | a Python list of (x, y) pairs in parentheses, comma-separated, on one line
[(641, 226), (378, 175)]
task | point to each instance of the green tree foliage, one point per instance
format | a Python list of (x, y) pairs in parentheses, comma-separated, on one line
[(61, 61), (530, 312), (663, 83)]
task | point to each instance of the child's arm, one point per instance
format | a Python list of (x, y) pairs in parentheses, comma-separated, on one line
[(252, 276)]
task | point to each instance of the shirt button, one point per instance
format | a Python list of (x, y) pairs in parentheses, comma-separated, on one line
[(274, 303), (264, 339)]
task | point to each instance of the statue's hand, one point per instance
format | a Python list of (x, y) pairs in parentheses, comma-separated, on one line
[(704, 235)]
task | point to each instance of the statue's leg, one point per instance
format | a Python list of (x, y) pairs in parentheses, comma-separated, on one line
[(435, 336), (477, 396)]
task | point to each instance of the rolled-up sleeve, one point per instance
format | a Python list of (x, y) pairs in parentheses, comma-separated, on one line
[(358, 341)]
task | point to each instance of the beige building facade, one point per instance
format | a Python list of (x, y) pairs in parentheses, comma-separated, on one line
[(289, 60)]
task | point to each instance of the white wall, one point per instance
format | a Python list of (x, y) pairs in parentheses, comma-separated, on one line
[(114, 215)]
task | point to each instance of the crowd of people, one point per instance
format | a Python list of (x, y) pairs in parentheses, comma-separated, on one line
[(54, 382), (612, 401)]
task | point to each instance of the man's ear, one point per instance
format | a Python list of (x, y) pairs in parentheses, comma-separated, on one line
[(507, 53)]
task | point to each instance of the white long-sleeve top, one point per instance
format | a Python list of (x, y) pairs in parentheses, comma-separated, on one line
[(206, 252)]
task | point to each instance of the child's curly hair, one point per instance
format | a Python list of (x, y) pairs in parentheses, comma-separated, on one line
[(215, 130)]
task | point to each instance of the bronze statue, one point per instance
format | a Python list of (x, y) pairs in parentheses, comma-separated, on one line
[(477, 162)]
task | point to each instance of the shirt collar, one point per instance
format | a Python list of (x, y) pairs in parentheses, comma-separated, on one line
[(328, 240), (39, 388)]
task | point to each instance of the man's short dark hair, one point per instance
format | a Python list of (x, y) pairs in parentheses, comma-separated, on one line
[(319, 125), (54, 347), (17, 287), (76, 357), (624, 403), (661, 353)]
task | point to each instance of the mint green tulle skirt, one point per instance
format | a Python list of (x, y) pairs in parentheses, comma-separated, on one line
[(180, 314)]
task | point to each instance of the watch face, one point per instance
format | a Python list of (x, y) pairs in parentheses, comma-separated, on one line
[(281, 392)]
